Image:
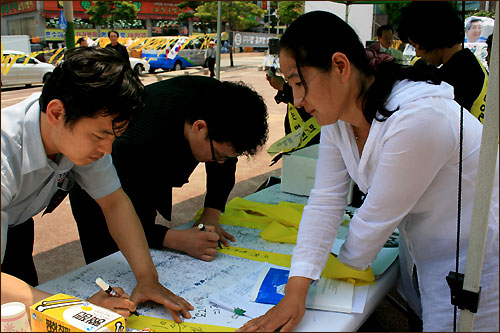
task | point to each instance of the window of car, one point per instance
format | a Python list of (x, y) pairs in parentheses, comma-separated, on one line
[(22, 59)]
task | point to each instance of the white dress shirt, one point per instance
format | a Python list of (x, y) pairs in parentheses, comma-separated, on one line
[(409, 168), (29, 178)]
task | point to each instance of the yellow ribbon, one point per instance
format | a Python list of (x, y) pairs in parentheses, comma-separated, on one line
[(334, 269), (302, 132), (479, 104), (165, 325), (280, 223)]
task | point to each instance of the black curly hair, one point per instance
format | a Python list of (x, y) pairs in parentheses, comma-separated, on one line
[(431, 25), (94, 81), (237, 116)]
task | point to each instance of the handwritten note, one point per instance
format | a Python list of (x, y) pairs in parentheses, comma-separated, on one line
[(163, 325)]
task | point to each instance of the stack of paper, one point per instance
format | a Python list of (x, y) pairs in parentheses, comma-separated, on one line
[(324, 294), (239, 295)]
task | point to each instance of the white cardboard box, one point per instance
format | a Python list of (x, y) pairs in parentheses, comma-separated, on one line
[(298, 170)]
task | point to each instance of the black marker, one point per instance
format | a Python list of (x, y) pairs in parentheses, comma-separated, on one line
[(110, 291), (201, 226)]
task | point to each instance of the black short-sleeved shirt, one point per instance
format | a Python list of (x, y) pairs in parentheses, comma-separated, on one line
[(469, 80)]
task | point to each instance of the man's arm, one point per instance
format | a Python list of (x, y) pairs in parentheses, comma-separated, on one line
[(16, 290), (126, 229), (220, 182)]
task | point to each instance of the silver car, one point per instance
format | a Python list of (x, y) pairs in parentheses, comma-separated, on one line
[(34, 71)]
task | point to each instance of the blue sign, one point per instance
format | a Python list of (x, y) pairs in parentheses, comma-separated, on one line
[(62, 21)]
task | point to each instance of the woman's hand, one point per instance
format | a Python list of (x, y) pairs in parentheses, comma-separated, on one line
[(121, 305), (287, 314)]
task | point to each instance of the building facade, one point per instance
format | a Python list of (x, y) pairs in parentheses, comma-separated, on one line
[(40, 20)]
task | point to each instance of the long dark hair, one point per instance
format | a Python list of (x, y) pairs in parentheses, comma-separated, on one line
[(314, 37)]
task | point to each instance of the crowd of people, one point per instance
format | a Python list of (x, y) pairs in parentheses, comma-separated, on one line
[(119, 148)]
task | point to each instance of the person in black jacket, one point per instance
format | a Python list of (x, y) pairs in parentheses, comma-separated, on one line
[(440, 44), (113, 37), (158, 151)]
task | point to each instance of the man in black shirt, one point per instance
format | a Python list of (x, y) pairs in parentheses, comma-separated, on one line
[(113, 37), (176, 131)]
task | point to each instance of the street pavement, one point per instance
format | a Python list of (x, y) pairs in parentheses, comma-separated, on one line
[(57, 247)]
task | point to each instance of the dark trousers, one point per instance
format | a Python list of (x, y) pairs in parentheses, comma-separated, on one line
[(211, 66), (94, 235), (18, 259)]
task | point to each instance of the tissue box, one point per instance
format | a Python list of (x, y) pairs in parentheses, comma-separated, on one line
[(63, 313), (298, 170)]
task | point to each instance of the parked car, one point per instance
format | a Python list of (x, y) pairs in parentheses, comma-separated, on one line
[(192, 54), (34, 71), (139, 65)]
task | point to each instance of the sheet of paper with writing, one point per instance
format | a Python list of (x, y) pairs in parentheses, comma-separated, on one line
[(190, 278)]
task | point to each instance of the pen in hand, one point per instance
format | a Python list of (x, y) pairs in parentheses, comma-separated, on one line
[(110, 291), (201, 226)]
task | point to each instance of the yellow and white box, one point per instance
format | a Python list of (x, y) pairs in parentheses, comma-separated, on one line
[(63, 313)]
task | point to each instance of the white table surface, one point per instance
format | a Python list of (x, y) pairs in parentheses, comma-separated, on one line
[(195, 279)]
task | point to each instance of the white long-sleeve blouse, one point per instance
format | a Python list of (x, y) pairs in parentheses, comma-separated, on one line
[(409, 168)]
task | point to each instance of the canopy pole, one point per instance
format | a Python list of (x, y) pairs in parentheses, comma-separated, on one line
[(347, 4), (484, 185), (219, 29)]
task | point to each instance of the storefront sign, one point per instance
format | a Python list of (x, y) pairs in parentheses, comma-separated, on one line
[(144, 7), (16, 7), (249, 39), (58, 34)]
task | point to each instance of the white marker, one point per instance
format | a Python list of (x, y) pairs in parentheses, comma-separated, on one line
[(110, 291)]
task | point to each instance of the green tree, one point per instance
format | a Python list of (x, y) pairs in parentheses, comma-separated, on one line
[(290, 10), (111, 11), (183, 17), (393, 11), (241, 15), (483, 13)]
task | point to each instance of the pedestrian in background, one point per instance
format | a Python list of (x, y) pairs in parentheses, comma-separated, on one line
[(211, 52), (113, 37)]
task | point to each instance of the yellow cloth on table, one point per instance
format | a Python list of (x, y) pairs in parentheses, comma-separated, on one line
[(277, 232), (166, 325), (280, 223), (334, 269)]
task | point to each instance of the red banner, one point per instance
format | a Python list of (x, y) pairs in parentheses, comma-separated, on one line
[(151, 9)]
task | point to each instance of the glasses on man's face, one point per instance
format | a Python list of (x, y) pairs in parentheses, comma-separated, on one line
[(215, 158)]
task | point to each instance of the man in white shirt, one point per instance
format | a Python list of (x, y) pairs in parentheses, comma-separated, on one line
[(65, 135)]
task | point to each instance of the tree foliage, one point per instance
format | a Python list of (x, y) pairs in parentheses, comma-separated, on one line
[(111, 11), (393, 11), (241, 15), (482, 13), (189, 14), (290, 10)]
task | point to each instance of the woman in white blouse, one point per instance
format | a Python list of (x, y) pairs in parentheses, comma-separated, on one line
[(395, 132)]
